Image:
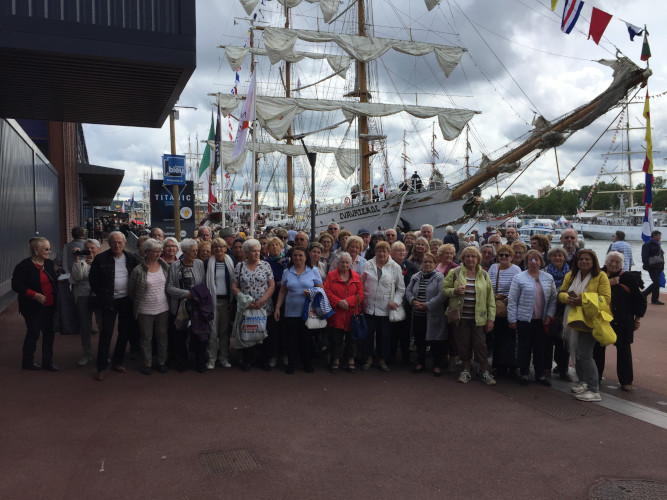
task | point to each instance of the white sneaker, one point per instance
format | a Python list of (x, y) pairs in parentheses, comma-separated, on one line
[(464, 377), (210, 365), (488, 379), (84, 360), (588, 396), (579, 388), (226, 364)]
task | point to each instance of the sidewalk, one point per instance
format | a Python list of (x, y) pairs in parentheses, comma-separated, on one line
[(229, 434)]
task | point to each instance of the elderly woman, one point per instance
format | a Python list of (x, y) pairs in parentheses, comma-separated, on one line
[(446, 254), (147, 290), (519, 248), (585, 276), (35, 281), (541, 243), (315, 259), (278, 261), (170, 250), (204, 251), (345, 293), (183, 275), (554, 347), (409, 241), (141, 252), (503, 343), (254, 277), (488, 253), (428, 314), (327, 241), (219, 272), (81, 291), (531, 307), (418, 250), (434, 245), (384, 289), (628, 306), (353, 246), (297, 281), (343, 235), (471, 310)]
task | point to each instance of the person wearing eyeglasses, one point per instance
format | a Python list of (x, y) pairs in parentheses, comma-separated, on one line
[(519, 248), (569, 240), (503, 338), (35, 281)]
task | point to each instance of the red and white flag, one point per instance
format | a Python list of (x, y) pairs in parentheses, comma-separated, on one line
[(247, 116)]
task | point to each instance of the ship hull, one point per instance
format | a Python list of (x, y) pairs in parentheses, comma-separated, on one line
[(428, 207), (604, 232)]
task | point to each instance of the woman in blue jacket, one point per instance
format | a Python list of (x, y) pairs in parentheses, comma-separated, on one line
[(531, 306)]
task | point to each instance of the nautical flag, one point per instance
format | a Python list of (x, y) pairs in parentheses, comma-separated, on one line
[(553, 4), (122, 208), (646, 50), (211, 198), (132, 200), (218, 138), (206, 157), (571, 13), (599, 21), (647, 226), (247, 116), (634, 31)]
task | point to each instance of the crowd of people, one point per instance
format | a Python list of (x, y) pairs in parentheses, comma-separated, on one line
[(475, 305)]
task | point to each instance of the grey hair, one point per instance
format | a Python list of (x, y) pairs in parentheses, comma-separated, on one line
[(449, 229), (426, 225), (615, 254), (152, 244), (559, 250), (249, 244), (187, 244), (94, 242), (116, 232), (173, 240), (488, 245), (344, 255)]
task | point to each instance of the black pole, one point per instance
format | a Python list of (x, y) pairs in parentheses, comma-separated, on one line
[(312, 159)]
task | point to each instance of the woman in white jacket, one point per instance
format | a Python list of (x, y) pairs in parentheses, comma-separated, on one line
[(531, 306), (383, 291), (219, 275)]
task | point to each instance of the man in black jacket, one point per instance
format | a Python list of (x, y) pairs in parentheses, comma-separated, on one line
[(653, 260), (109, 277)]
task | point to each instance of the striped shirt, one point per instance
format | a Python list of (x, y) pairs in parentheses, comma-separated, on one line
[(421, 294), (220, 283), (155, 298), (504, 278), (469, 299)]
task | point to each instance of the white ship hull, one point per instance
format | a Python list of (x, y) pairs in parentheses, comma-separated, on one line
[(428, 207), (604, 232)]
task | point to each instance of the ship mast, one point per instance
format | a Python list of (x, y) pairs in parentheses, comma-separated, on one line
[(627, 136), (288, 94)]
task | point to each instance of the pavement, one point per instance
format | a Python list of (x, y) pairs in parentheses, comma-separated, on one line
[(229, 434)]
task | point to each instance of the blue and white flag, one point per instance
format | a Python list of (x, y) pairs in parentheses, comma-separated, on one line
[(571, 13), (634, 31)]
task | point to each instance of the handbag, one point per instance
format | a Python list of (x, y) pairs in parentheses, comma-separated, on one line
[(501, 299), (253, 326), (182, 316), (396, 315), (358, 326)]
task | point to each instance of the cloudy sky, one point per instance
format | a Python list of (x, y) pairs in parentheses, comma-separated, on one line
[(518, 63)]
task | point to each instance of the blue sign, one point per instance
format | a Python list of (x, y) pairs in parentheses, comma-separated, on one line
[(173, 170)]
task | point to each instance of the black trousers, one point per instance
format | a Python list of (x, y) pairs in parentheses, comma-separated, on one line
[(654, 288), (36, 323), (298, 342), (623, 362), (531, 342), (400, 337), (122, 308), (419, 333)]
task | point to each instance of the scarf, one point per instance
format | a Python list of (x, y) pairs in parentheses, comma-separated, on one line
[(557, 275), (578, 286)]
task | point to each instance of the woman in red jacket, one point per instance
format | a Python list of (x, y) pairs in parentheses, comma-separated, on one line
[(345, 293)]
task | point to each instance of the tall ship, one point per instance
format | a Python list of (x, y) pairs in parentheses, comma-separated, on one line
[(327, 76)]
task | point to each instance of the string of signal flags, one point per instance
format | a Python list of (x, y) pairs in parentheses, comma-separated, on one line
[(599, 22)]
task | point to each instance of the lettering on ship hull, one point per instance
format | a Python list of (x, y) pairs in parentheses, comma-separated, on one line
[(356, 212)]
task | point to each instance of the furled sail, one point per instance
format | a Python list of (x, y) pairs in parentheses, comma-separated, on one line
[(279, 43), (338, 63), (327, 7), (432, 4), (275, 114), (346, 158)]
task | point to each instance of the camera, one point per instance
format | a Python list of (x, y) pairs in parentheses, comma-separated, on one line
[(81, 252)]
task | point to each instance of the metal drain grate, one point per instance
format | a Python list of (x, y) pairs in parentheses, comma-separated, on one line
[(563, 409), (622, 489), (216, 462)]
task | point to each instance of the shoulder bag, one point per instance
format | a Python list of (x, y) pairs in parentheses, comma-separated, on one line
[(358, 327), (501, 299)]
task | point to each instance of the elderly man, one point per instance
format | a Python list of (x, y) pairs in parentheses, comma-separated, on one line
[(620, 245), (333, 230), (157, 234), (365, 235), (204, 233), (427, 231), (495, 240), (391, 236), (301, 239), (109, 278), (511, 235), (569, 240), (451, 237)]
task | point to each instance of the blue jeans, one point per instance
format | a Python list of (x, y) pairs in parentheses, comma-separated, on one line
[(584, 364)]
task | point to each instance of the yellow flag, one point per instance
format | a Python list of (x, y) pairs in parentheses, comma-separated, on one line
[(553, 4)]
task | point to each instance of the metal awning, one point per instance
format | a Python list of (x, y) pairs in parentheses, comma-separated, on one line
[(100, 183)]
